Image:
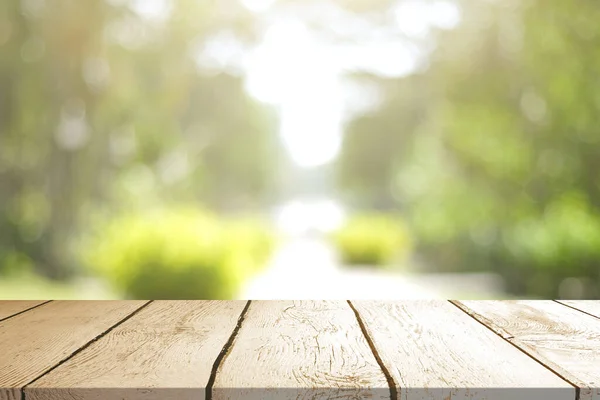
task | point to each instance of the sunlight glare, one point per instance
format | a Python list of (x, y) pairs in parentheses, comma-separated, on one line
[(415, 18), (300, 216), (152, 9), (301, 74), (291, 70), (257, 6)]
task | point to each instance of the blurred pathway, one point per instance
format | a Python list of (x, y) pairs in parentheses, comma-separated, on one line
[(306, 268)]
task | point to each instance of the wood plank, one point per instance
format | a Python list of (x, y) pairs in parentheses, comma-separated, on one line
[(564, 339), (166, 351), (8, 308), (433, 350), (33, 342), (591, 307), (300, 350)]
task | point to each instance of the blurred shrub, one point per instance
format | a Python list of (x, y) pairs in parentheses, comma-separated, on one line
[(562, 244), (14, 263), (253, 238), (551, 253), (178, 254), (372, 239)]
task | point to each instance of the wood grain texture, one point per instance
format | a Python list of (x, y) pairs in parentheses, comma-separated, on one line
[(166, 351), (591, 307), (8, 308), (300, 350), (433, 350), (33, 342), (564, 339)]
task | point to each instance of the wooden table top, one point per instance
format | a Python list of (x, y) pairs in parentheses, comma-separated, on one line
[(426, 349)]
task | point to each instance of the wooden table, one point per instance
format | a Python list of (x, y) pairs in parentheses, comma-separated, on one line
[(117, 350)]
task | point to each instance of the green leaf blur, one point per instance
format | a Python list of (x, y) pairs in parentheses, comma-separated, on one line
[(182, 253), (492, 148), (372, 240)]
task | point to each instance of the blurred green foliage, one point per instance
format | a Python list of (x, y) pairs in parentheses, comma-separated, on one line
[(103, 106), (490, 149), (253, 238), (372, 240), (496, 147), (31, 286), (178, 253)]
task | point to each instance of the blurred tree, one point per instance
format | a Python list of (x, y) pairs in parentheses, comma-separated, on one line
[(106, 103), (374, 142), (502, 170)]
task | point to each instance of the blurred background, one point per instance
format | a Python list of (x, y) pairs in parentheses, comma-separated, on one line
[(287, 149)]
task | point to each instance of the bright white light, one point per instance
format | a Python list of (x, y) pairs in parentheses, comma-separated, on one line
[(387, 58), (294, 71), (411, 17), (280, 66), (415, 18), (298, 217), (328, 215), (362, 97), (152, 9), (311, 150), (257, 6), (221, 52), (291, 218), (445, 14), (301, 74), (310, 124)]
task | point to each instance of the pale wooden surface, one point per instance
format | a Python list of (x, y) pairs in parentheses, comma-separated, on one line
[(300, 349), (114, 350), (432, 349), (588, 306), (37, 340), (167, 350), (564, 339), (8, 308)]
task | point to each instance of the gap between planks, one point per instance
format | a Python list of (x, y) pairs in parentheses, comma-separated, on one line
[(24, 310), (388, 376), (566, 303), (85, 346), (231, 342), (226, 348), (508, 338)]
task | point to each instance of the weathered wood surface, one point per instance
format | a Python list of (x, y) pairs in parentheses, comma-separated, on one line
[(134, 350), (433, 350), (300, 350), (33, 342), (9, 308), (166, 351), (591, 307), (562, 338)]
